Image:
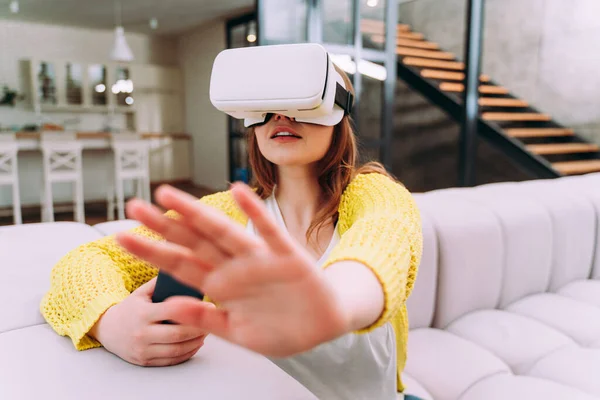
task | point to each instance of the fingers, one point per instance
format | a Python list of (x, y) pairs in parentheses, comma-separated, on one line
[(174, 350), (159, 333), (214, 226), (201, 314), (254, 208), (147, 289), (168, 361), (176, 260), (175, 230), (171, 310)]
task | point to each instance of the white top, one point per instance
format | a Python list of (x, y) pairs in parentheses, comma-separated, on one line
[(349, 367)]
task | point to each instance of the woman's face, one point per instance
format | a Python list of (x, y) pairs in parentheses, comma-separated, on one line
[(285, 142)]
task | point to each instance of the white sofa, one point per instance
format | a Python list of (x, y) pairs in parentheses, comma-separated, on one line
[(506, 304), (507, 301)]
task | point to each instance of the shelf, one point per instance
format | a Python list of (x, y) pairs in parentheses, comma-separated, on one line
[(85, 109)]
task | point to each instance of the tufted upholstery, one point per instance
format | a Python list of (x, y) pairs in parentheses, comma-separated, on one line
[(517, 306)]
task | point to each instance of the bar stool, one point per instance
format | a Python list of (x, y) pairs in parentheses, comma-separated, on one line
[(9, 172), (62, 160), (131, 162)]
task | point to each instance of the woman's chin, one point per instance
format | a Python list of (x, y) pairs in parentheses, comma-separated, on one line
[(292, 162)]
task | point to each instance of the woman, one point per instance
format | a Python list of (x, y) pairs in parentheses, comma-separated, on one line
[(312, 268)]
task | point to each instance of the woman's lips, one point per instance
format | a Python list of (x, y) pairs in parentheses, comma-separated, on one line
[(285, 139), (282, 129)]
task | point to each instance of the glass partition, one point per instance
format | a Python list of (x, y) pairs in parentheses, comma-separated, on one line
[(338, 22), (370, 109), (360, 40), (241, 32), (372, 28), (283, 21)]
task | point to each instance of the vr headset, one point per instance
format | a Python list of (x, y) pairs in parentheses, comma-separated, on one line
[(295, 80)]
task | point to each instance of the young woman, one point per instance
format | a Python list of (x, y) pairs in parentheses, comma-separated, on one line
[(311, 267)]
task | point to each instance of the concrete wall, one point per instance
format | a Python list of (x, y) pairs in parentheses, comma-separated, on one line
[(545, 51), (207, 125)]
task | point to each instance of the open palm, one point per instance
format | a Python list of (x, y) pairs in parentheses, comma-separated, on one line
[(271, 297)]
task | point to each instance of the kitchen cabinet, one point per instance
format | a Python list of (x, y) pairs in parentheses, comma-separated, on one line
[(72, 86)]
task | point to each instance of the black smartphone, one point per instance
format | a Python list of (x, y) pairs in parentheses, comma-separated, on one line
[(167, 286)]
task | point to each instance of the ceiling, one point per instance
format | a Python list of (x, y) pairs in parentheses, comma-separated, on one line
[(174, 16)]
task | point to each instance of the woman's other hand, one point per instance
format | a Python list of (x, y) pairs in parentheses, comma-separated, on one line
[(133, 330)]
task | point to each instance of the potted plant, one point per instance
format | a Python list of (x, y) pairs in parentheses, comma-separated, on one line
[(9, 97)]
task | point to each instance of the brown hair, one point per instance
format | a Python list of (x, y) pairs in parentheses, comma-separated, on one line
[(336, 169)]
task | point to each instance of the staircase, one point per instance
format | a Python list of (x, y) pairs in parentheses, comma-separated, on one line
[(530, 137)]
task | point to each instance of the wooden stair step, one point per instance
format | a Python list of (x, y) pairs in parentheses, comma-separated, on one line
[(508, 116), (495, 102), (428, 63), (539, 132), (448, 75), (380, 23), (378, 27), (411, 35), (563, 148), (418, 44), (577, 167), (380, 39), (483, 89), (438, 55)]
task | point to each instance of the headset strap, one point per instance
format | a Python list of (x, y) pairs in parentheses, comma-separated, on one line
[(344, 99)]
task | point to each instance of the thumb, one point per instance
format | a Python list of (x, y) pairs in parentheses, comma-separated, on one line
[(146, 290)]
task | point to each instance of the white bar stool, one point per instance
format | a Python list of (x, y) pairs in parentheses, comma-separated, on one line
[(62, 160), (131, 162), (9, 172)]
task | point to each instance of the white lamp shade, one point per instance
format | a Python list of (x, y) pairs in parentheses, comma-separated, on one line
[(121, 50)]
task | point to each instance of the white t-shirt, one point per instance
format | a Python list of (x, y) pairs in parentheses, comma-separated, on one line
[(350, 367)]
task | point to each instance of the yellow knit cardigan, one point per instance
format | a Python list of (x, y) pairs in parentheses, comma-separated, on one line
[(379, 224)]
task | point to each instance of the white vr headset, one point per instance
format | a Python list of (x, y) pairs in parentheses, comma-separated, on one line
[(295, 80)]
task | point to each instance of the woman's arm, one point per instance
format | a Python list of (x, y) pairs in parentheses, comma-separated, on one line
[(93, 277), (375, 264), (358, 291)]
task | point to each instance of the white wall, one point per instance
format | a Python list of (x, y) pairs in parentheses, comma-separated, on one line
[(23, 40), (208, 127)]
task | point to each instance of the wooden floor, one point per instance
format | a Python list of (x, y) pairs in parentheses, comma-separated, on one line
[(94, 213)]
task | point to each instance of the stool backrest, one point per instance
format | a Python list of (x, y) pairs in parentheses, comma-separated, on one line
[(62, 151), (8, 154), (131, 152)]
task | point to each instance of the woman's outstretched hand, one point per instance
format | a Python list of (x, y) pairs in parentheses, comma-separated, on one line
[(271, 298)]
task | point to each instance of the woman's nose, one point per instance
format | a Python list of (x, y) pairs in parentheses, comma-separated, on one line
[(279, 117)]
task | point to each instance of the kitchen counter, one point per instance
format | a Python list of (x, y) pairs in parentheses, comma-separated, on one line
[(170, 160)]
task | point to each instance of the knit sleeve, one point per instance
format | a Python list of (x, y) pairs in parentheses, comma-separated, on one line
[(380, 227), (91, 278)]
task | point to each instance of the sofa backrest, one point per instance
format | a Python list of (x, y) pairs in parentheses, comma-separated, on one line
[(588, 186), (573, 229), (470, 254), (526, 239), (421, 302), (500, 242)]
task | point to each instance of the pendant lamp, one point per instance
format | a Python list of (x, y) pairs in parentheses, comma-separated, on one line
[(121, 50)]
